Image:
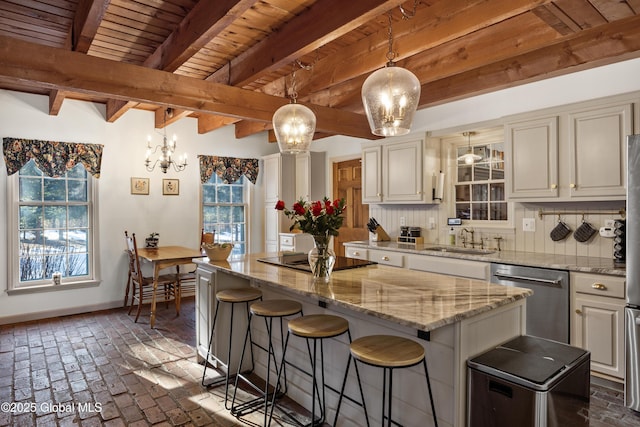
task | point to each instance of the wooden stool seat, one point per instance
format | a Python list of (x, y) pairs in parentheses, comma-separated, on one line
[(387, 351), (318, 326), (276, 308), (239, 295)]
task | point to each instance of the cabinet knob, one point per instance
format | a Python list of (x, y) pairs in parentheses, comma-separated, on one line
[(356, 254), (385, 258), (599, 286), (554, 186), (379, 194), (578, 311), (572, 185)]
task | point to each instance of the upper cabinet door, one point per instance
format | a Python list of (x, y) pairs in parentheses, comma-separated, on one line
[(597, 149), (372, 174), (532, 158), (402, 171), (271, 171)]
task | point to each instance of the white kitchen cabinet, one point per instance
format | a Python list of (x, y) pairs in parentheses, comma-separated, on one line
[(296, 242), (279, 184), (356, 252), (310, 176), (598, 321), (395, 259), (205, 309), (531, 147), (573, 153), (450, 266), (372, 174), (393, 171), (597, 139)]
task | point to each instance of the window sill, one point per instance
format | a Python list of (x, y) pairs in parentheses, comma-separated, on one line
[(52, 288)]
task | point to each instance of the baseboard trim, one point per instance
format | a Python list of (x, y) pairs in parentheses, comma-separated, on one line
[(29, 317)]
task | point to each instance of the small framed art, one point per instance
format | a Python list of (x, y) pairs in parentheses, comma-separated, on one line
[(170, 187), (140, 186)]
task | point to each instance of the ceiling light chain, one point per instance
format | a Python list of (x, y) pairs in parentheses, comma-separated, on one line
[(406, 15), (390, 96)]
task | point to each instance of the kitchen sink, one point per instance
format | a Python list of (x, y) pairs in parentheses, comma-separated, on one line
[(456, 250)]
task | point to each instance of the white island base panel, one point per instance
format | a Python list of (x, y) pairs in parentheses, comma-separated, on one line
[(447, 351)]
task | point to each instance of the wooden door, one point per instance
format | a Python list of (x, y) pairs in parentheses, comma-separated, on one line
[(347, 183)]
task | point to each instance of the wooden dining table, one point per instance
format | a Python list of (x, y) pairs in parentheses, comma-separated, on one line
[(165, 257)]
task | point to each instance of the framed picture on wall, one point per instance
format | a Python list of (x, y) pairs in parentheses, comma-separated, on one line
[(140, 186), (170, 187)]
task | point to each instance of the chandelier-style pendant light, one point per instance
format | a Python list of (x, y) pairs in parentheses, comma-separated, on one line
[(294, 124), (469, 157), (390, 96), (166, 151)]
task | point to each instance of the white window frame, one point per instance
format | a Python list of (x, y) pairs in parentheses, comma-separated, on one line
[(457, 143), (13, 248), (247, 191)]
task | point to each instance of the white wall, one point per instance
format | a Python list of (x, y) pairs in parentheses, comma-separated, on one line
[(176, 218)]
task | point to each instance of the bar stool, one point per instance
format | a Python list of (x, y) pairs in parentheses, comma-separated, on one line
[(315, 327), (233, 297), (388, 352), (269, 310)]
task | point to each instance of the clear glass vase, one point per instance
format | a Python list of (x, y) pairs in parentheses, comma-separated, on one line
[(322, 258)]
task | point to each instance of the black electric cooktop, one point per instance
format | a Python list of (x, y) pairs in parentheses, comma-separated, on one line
[(299, 261)]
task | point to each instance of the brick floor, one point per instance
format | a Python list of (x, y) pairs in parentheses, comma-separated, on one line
[(102, 369)]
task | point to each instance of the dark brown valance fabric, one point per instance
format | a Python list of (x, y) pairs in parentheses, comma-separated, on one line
[(228, 169), (53, 158)]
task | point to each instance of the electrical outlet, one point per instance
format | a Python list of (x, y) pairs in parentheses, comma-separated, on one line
[(403, 221), (528, 224), (610, 223), (432, 223)]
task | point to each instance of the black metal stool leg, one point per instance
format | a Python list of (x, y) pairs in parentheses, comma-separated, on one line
[(433, 406)]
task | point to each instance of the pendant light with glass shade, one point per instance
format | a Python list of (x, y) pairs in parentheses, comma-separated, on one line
[(294, 124), (469, 157), (390, 96)]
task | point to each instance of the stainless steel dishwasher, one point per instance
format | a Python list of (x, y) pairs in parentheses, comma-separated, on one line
[(548, 307)]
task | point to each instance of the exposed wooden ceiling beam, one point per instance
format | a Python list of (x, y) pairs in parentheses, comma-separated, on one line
[(210, 122), (55, 101), (60, 69), (89, 14), (441, 22), (323, 22), (203, 23), (594, 47)]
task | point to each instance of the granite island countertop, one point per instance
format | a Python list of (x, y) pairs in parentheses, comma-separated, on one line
[(420, 300), (533, 259)]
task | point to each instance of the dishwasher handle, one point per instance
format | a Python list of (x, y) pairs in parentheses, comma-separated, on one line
[(511, 277)]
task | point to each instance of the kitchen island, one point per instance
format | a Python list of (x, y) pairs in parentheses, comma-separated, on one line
[(454, 318)]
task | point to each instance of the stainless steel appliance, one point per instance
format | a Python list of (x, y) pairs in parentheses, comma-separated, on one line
[(529, 381), (548, 308), (632, 309)]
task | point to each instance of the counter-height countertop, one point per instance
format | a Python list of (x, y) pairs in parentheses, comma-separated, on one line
[(533, 259), (416, 299)]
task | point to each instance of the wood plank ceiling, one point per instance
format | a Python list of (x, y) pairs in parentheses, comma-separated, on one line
[(230, 62)]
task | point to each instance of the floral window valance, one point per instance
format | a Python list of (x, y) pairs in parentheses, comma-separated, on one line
[(228, 169), (53, 158)]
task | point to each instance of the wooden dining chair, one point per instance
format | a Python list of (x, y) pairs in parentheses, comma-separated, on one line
[(188, 279), (142, 286)]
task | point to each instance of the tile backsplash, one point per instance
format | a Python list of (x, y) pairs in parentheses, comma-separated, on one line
[(512, 237)]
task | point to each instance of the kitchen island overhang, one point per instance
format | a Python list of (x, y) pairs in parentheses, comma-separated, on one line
[(461, 318)]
